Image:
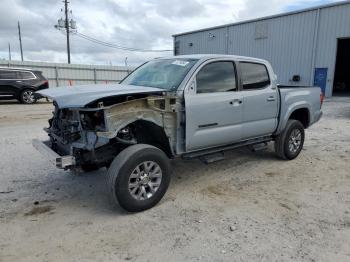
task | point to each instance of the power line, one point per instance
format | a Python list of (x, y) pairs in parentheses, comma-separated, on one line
[(67, 28), (9, 52), (66, 25), (116, 46), (20, 40)]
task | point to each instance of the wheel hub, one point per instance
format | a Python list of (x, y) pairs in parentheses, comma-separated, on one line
[(145, 180), (28, 96), (294, 140)]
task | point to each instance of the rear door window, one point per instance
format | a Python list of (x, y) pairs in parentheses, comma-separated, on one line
[(26, 75), (254, 75), (8, 75)]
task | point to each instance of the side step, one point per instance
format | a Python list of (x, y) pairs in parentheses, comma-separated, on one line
[(259, 147), (208, 159), (215, 150)]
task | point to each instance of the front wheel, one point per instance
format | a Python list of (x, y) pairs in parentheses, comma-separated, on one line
[(139, 177), (290, 142)]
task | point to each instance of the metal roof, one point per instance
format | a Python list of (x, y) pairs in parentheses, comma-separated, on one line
[(267, 17)]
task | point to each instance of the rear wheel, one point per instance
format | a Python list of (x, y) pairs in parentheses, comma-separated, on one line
[(139, 177), (290, 142), (27, 97)]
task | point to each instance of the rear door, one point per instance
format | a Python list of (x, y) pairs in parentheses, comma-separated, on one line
[(213, 106), (7, 81), (260, 100)]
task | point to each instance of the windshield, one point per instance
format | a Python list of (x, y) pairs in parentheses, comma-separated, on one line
[(161, 73)]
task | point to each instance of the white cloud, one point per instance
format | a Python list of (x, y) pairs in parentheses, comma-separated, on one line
[(146, 24)]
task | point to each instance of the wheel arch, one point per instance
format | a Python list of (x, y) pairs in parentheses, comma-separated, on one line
[(298, 111), (151, 133), (302, 115)]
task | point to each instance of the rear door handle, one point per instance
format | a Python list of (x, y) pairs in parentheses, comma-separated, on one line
[(271, 98)]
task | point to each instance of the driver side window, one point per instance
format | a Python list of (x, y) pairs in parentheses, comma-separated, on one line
[(216, 77)]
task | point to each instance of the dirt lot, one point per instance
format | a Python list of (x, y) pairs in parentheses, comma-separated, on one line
[(249, 207)]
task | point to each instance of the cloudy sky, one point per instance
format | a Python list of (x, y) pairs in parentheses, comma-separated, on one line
[(143, 24)]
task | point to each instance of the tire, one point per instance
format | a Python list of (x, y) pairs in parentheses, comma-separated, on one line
[(27, 96), (131, 187), (89, 167), (290, 142)]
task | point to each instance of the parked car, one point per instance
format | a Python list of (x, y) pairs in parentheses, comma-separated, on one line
[(20, 84), (179, 107)]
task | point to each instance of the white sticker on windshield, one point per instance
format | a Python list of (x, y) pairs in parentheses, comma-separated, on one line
[(180, 63)]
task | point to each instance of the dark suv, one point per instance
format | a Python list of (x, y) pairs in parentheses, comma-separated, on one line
[(20, 84)]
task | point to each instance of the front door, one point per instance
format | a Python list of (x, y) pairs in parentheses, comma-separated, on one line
[(213, 107)]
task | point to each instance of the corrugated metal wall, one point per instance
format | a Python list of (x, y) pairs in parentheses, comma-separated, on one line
[(295, 44), (334, 24), (60, 74)]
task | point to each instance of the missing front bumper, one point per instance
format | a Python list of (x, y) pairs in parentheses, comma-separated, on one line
[(44, 148)]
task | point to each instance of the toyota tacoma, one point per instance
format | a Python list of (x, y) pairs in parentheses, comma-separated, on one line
[(195, 106)]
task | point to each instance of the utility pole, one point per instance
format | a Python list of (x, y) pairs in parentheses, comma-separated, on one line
[(67, 28), (9, 52), (20, 40), (67, 25)]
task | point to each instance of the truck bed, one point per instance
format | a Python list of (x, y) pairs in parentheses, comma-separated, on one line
[(294, 97)]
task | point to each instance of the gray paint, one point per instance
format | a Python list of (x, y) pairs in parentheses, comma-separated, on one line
[(80, 96), (238, 114), (295, 42)]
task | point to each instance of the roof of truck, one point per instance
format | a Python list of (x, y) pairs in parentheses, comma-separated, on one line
[(213, 56)]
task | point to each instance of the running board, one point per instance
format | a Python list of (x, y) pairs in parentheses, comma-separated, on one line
[(259, 147), (208, 159), (221, 149)]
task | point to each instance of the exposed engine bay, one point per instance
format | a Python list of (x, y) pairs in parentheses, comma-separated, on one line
[(99, 131)]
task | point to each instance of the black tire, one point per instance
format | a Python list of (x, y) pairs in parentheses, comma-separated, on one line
[(27, 96), (89, 167), (120, 174), (282, 142)]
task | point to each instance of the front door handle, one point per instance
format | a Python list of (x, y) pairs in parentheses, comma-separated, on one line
[(271, 98), (236, 102)]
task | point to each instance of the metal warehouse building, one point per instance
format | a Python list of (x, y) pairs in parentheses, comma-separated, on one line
[(306, 47)]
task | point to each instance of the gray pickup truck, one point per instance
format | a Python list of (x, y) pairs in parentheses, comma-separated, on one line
[(196, 106)]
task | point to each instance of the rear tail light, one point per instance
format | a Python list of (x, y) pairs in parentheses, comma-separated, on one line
[(321, 99)]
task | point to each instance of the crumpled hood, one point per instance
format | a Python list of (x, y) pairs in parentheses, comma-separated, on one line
[(80, 96)]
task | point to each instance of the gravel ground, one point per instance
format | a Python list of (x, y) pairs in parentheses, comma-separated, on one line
[(248, 207)]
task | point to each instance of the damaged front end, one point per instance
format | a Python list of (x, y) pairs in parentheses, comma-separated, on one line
[(96, 133), (73, 132)]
